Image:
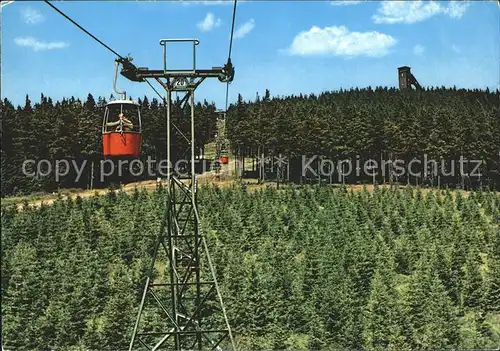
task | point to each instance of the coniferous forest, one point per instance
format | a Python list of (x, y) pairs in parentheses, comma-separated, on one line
[(301, 267), (378, 124), (71, 130), (443, 124)]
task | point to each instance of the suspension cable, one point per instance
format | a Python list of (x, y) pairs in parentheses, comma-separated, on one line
[(100, 42), (230, 48), (232, 29), (83, 29), (227, 95), (156, 91), (121, 57)]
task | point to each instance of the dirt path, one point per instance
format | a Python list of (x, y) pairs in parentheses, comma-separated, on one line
[(226, 178), (51, 198)]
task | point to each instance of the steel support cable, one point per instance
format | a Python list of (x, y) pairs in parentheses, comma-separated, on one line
[(83, 29), (99, 41), (164, 103), (230, 48), (121, 57), (232, 29), (156, 91)]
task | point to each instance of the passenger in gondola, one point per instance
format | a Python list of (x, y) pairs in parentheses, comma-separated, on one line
[(124, 121)]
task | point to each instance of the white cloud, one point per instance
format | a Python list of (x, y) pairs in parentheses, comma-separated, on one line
[(244, 29), (418, 50), (209, 23), (455, 48), (456, 9), (37, 45), (339, 41), (392, 11), (31, 16), (344, 2)]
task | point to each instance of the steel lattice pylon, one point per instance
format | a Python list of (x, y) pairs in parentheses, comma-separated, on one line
[(182, 309)]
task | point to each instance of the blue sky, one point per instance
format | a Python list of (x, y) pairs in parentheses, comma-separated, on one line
[(286, 46)]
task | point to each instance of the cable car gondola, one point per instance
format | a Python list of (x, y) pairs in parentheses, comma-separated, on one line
[(122, 129), (224, 159), (121, 126)]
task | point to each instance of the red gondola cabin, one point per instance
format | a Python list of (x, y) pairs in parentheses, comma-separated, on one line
[(122, 129)]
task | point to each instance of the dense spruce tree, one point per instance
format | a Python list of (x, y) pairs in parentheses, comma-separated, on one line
[(384, 322), (493, 277), (300, 267)]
